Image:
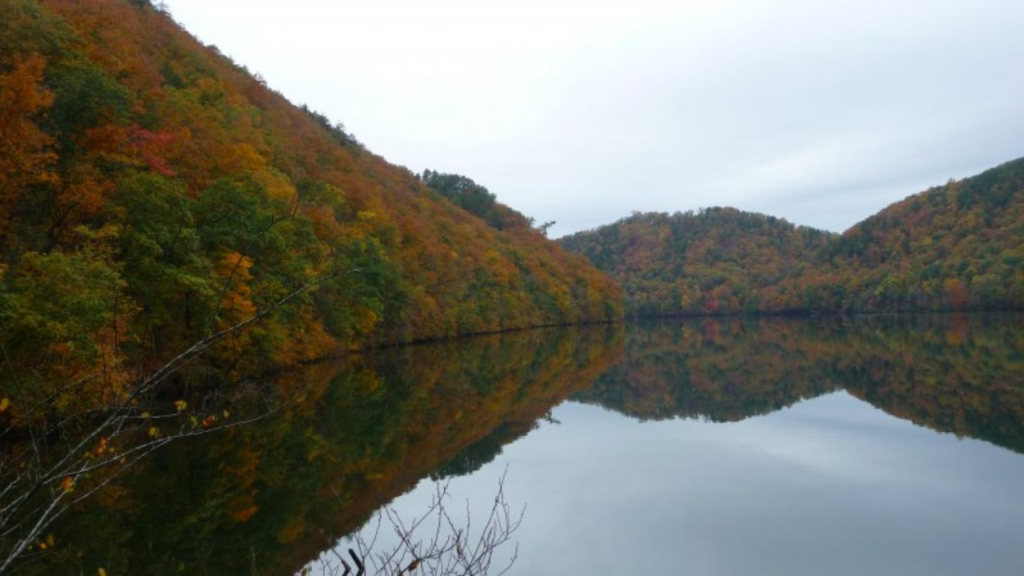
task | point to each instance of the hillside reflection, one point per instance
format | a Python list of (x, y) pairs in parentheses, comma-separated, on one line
[(958, 374), (369, 428), (274, 495)]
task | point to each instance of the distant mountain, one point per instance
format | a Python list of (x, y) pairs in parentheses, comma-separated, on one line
[(716, 261), (153, 192), (954, 247)]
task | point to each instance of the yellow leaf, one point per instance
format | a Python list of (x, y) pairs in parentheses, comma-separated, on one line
[(181, 405), (4, 404), (49, 539), (67, 484), (145, 415), (154, 432), (102, 572)]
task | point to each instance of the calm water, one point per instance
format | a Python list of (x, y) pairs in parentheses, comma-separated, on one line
[(775, 446)]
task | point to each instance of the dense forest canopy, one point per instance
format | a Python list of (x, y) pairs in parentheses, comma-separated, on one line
[(717, 260), (154, 195), (153, 192), (475, 199), (954, 247)]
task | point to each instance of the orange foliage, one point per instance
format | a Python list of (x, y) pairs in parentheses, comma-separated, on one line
[(25, 154)]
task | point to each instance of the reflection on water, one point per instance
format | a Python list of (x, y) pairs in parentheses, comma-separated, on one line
[(367, 430), (658, 464), (959, 374)]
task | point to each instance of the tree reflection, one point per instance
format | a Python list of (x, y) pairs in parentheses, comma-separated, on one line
[(962, 374), (271, 497), (365, 430)]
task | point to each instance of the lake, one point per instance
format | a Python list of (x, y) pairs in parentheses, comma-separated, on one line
[(882, 445)]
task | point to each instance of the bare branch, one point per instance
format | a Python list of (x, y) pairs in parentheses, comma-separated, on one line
[(66, 452), (450, 549)]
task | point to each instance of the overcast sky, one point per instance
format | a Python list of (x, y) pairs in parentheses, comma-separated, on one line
[(818, 111)]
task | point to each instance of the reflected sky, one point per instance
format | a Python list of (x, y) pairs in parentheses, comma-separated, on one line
[(830, 485), (862, 445)]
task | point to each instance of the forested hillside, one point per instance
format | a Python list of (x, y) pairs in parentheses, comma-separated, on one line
[(954, 247), (152, 192), (475, 199), (716, 261)]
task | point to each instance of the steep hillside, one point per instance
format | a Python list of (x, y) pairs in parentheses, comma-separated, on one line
[(475, 199), (153, 192), (719, 260), (954, 247)]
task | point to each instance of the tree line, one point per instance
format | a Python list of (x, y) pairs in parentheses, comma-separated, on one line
[(153, 192), (955, 247)]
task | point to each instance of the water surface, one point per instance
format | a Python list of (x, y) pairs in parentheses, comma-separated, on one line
[(770, 446)]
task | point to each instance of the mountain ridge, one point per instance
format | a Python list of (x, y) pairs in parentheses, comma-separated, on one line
[(959, 246), (180, 195)]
